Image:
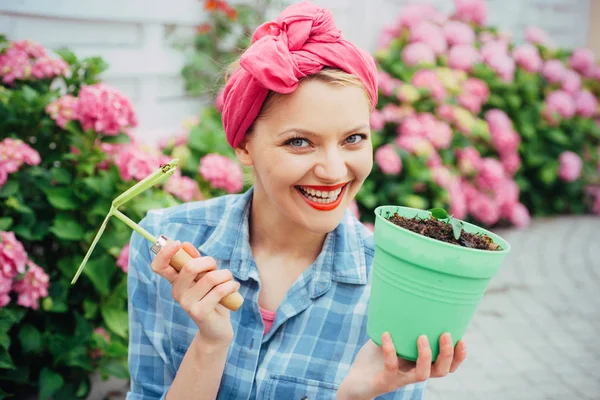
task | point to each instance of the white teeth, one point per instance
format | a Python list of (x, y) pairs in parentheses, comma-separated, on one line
[(319, 196)]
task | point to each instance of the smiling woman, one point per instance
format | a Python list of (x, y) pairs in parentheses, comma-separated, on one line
[(297, 111)]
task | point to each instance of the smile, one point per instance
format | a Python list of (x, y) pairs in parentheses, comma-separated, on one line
[(323, 200)]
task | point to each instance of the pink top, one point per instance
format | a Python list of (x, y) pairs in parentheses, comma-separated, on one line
[(268, 318)]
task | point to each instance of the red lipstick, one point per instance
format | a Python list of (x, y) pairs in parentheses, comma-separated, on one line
[(321, 206)]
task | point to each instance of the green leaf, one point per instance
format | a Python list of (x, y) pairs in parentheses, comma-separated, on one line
[(121, 138), (60, 175), (67, 55), (50, 382), (90, 309), (457, 227), (30, 338), (116, 319), (61, 198), (73, 127), (6, 361), (29, 94), (67, 228), (99, 271), (4, 340), (439, 213), (116, 369), (10, 188), (9, 317), (5, 223)]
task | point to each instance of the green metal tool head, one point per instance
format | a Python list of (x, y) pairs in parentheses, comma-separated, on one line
[(151, 180)]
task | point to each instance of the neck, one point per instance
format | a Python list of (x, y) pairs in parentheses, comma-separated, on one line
[(273, 234)]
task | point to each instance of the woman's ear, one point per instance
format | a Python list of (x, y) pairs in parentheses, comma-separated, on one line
[(242, 153)]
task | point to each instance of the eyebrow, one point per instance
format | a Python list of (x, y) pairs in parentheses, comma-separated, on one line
[(309, 133)]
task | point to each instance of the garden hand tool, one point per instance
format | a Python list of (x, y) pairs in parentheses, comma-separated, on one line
[(233, 301)]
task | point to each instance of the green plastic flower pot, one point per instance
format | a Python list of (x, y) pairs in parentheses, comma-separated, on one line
[(425, 286)]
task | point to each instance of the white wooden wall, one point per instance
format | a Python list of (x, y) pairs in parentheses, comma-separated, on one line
[(131, 35)]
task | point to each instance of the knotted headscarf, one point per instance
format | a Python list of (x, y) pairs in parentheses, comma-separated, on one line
[(302, 41)]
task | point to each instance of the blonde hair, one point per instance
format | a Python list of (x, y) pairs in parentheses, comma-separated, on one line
[(332, 76)]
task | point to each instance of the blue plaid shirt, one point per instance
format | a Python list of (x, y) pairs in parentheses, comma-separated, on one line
[(318, 329)]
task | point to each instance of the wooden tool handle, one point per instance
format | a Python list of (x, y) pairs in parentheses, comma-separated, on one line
[(232, 301)]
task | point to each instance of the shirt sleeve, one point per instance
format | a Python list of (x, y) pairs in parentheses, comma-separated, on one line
[(410, 392), (148, 366)]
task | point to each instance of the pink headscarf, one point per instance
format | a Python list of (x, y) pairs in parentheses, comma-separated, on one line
[(302, 41)]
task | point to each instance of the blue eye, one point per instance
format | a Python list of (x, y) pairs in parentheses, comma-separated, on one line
[(356, 138), (297, 142)]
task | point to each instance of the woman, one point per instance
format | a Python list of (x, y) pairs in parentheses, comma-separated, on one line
[(297, 111)]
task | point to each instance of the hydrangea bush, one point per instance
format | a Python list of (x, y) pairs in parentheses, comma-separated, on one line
[(492, 129), (66, 151)]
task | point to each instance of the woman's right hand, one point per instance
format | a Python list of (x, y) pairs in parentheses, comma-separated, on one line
[(199, 299)]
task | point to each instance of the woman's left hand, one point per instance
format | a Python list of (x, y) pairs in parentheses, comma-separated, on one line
[(378, 370)]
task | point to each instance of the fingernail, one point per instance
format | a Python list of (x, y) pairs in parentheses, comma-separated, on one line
[(237, 285), (447, 338), (425, 340), (177, 243)]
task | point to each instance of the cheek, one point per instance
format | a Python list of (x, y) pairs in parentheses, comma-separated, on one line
[(362, 163)]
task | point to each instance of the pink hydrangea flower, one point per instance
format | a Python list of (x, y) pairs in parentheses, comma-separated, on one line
[(387, 84), (494, 48), (570, 166), (123, 259), (430, 34), (13, 154), (458, 201), (377, 120), (519, 216), (13, 257), (506, 196), (418, 53), (582, 60), (571, 82), (442, 177), (5, 287), (484, 209), (535, 35), (446, 112), (470, 11), (491, 174), (428, 79), (560, 102), (183, 187), (25, 60), (463, 57), (511, 162), (469, 160), (32, 287), (554, 71), (586, 104), (222, 172), (388, 160), (459, 33), (475, 94), (134, 163), (104, 109), (504, 66), (528, 57), (63, 110)]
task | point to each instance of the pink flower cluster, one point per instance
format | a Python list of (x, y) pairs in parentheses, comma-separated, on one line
[(183, 187), (422, 134), (99, 107), (570, 165), (123, 259), (221, 172), (134, 162), (19, 274), (505, 139), (475, 94), (26, 60), (13, 154), (561, 104), (388, 160)]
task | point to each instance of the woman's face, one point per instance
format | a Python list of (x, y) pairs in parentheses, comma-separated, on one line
[(311, 153)]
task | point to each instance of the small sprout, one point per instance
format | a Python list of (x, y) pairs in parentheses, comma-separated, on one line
[(441, 214)]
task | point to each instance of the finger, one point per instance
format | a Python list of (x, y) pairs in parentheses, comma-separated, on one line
[(190, 249), (390, 359), (188, 274), (423, 369), (460, 353), (201, 308), (441, 367), (201, 288), (160, 264)]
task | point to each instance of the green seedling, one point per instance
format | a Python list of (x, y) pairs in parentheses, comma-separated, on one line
[(442, 215)]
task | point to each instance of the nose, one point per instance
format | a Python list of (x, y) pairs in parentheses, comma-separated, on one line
[(331, 167)]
